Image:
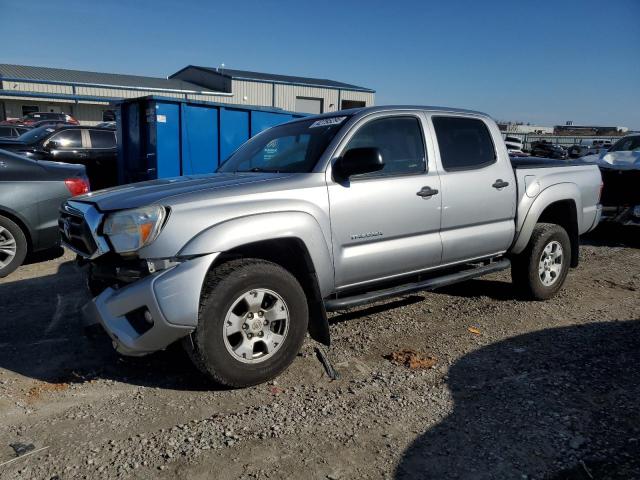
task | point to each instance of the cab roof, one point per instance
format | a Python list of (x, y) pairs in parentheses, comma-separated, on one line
[(385, 108)]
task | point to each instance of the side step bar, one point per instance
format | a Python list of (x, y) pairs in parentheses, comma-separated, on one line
[(362, 299)]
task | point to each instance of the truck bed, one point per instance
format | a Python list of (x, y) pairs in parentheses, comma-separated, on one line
[(535, 175), (539, 162)]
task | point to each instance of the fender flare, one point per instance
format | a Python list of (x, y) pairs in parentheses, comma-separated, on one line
[(555, 193), (241, 231), (30, 233)]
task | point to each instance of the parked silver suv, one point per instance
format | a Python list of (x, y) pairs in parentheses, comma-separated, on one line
[(323, 213)]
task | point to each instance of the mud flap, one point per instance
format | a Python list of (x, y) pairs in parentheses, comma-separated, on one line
[(318, 323)]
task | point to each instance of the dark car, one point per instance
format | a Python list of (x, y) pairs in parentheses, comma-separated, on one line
[(93, 147), (12, 131), (35, 117), (548, 150), (30, 195), (50, 123)]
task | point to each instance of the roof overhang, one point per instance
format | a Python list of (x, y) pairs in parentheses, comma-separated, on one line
[(105, 85), (211, 71)]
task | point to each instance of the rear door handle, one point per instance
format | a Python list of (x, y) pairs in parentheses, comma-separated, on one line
[(427, 192), (500, 184)]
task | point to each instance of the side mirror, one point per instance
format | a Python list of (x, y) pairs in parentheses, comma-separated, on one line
[(50, 145), (357, 161)]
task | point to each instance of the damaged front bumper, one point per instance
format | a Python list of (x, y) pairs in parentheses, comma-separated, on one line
[(153, 312)]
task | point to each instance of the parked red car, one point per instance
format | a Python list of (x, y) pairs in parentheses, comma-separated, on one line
[(35, 117)]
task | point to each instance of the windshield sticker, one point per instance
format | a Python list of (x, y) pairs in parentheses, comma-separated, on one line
[(327, 121), (51, 129)]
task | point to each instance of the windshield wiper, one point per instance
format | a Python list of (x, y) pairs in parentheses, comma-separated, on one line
[(257, 169)]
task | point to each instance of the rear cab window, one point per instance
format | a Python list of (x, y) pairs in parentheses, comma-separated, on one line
[(464, 143), (102, 139)]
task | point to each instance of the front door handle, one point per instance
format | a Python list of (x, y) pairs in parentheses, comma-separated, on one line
[(500, 184), (426, 192)]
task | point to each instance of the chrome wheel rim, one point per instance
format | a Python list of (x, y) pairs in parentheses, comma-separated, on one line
[(256, 325), (8, 247), (550, 265)]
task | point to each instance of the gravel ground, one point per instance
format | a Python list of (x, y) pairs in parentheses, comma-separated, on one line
[(518, 390)]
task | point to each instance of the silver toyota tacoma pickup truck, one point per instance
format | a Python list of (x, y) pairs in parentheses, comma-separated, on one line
[(322, 214)]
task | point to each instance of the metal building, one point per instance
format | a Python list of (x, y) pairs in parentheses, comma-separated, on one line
[(298, 94), (88, 96)]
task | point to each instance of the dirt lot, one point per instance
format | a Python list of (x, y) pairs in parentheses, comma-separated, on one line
[(518, 390)]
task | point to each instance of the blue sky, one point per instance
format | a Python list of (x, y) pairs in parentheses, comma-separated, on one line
[(544, 61)]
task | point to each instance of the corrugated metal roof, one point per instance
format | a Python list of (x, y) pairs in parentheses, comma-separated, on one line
[(272, 77), (93, 78)]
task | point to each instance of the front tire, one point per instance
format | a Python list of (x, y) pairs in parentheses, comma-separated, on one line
[(541, 269), (252, 323), (13, 246)]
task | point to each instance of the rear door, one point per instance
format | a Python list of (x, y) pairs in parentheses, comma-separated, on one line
[(103, 165), (478, 189), (381, 228)]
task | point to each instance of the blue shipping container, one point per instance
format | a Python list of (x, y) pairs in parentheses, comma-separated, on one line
[(161, 137)]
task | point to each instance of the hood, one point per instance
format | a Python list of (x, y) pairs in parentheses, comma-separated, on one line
[(140, 194), (622, 160)]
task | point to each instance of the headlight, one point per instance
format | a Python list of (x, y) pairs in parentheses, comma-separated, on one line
[(130, 230)]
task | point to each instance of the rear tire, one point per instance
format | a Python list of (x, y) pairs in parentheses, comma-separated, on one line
[(539, 272), (252, 323), (13, 246)]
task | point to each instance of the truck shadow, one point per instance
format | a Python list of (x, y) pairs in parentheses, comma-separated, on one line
[(612, 235), (383, 306), (42, 337), (44, 255), (482, 287), (559, 404)]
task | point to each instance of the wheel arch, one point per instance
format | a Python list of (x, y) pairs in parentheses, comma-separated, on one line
[(22, 223), (559, 205), (291, 254), (293, 240)]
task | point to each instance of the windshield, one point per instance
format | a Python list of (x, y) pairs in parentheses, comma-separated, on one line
[(36, 134), (289, 148), (627, 144)]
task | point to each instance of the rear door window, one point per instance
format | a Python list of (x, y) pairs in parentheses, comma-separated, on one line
[(102, 139), (464, 143)]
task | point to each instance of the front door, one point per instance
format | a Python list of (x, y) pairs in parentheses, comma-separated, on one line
[(381, 227), (478, 190), (66, 146)]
